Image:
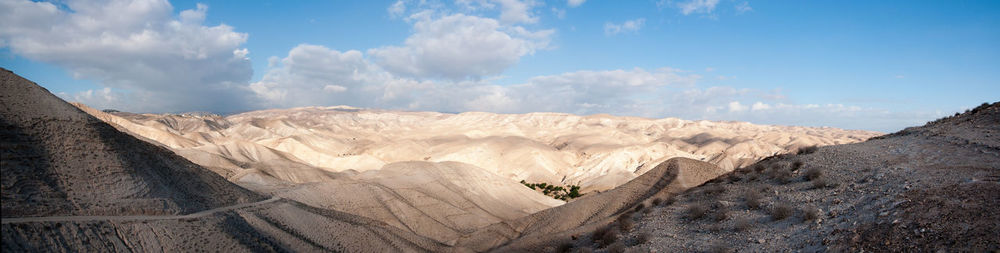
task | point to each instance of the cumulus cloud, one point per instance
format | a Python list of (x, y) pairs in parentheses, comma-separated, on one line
[(575, 3), (511, 11), (630, 26), (317, 75), (139, 47), (458, 47), (697, 6), (397, 9), (743, 7)]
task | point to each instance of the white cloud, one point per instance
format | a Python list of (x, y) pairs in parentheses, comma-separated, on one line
[(511, 11), (735, 106), (697, 6), (458, 47), (630, 26), (138, 47), (397, 9), (575, 3), (743, 7), (560, 13), (760, 106)]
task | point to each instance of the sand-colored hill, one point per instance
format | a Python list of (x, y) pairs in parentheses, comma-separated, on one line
[(73, 183), (597, 152)]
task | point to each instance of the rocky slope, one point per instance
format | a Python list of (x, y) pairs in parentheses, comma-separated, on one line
[(73, 183), (929, 188)]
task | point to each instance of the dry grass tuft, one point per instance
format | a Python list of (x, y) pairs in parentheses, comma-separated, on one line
[(720, 248), (781, 211), (625, 221), (813, 174), (643, 238), (752, 199), (742, 224), (810, 213), (714, 189), (696, 211), (780, 174), (617, 247), (721, 214), (796, 165), (808, 150)]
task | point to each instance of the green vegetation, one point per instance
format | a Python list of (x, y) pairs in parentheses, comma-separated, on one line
[(558, 192)]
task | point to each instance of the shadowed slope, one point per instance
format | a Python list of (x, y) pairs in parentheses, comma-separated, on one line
[(77, 184), (529, 233)]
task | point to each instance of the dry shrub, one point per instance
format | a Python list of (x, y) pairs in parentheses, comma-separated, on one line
[(643, 238), (735, 177), (617, 247), (752, 198), (721, 214), (565, 247), (796, 165), (813, 173), (610, 237), (647, 210), (807, 150), (781, 211), (625, 221), (741, 224), (639, 207), (720, 248), (758, 168), (714, 189), (696, 211), (780, 174), (657, 201), (669, 201), (820, 183), (600, 233), (810, 213)]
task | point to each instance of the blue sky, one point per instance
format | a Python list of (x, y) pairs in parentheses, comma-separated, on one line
[(873, 65)]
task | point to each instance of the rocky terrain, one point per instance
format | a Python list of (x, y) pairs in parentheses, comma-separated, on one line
[(77, 179), (929, 188)]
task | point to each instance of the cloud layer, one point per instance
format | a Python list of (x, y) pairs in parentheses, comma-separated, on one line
[(150, 60), (154, 60)]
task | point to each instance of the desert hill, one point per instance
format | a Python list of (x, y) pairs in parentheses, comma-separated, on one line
[(73, 183), (597, 152), (929, 188)]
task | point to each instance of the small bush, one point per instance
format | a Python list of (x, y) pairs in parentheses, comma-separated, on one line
[(617, 247), (696, 211), (781, 211), (752, 199), (820, 183), (758, 168), (810, 213), (643, 238), (720, 248), (565, 247), (625, 221), (797, 165), (721, 214), (741, 224), (610, 237), (657, 201), (780, 174), (813, 173), (714, 189), (639, 207), (807, 150), (601, 232), (735, 177)]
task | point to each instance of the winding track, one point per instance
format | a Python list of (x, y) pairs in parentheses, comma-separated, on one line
[(200, 214)]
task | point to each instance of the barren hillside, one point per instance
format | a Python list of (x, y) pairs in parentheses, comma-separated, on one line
[(929, 188)]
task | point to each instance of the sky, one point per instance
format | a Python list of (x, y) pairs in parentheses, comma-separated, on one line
[(870, 65)]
